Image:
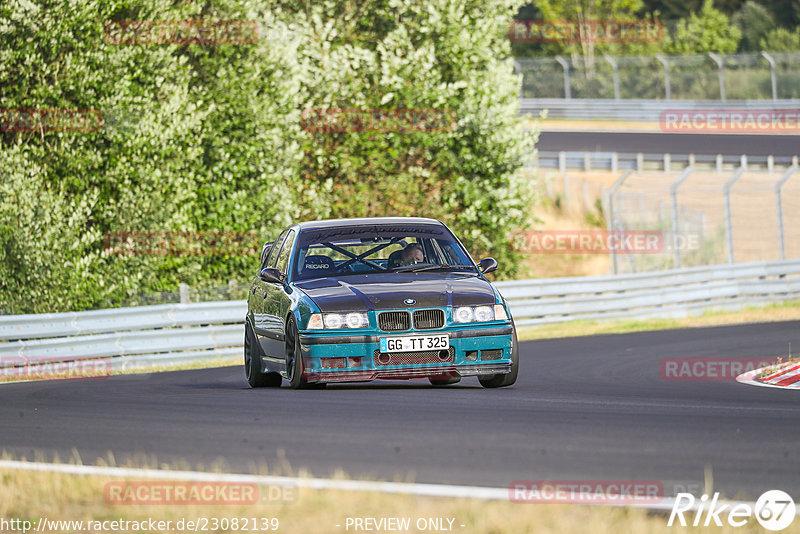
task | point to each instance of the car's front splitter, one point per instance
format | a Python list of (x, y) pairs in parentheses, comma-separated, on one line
[(408, 373)]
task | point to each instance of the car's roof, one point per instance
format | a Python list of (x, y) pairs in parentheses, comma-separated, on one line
[(339, 223)]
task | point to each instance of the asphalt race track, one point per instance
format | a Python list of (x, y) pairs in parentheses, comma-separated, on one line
[(590, 408), (672, 143)]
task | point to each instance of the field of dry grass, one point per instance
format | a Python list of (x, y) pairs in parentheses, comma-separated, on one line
[(27, 495)]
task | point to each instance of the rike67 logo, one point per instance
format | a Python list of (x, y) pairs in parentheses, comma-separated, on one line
[(774, 510)]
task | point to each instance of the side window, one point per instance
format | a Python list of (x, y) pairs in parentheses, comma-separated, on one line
[(283, 257), (273, 252)]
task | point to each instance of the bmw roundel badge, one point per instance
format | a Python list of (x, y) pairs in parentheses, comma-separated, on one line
[(409, 301)]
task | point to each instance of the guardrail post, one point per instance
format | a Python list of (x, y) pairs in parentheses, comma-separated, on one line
[(779, 209), (667, 162), (639, 162), (587, 162), (772, 75), (665, 63), (719, 162), (183, 290), (673, 191), (232, 289), (612, 215), (614, 162), (726, 191), (720, 74), (585, 191), (743, 161), (562, 162), (565, 66), (691, 160), (770, 163), (614, 74)]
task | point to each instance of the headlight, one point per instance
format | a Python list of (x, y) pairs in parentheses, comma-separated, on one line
[(356, 320), (462, 315), (478, 314), (333, 321), (484, 313)]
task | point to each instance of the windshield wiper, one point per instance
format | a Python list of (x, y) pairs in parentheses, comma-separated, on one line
[(415, 268)]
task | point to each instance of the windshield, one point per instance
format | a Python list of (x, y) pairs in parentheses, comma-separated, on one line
[(378, 249)]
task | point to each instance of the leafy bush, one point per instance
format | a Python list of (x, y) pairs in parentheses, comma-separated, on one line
[(201, 137)]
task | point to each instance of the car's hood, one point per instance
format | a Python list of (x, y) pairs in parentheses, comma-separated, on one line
[(384, 291)]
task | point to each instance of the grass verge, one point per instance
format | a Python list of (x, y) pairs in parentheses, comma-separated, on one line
[(30, 496)]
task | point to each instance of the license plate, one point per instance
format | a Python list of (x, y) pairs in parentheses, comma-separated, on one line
[(415, 343)]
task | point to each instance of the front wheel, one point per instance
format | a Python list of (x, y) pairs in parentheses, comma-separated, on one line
[(506, 379), (252, 363), (295, 367)]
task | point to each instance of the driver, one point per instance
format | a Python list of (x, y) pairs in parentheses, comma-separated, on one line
[(412, 254)]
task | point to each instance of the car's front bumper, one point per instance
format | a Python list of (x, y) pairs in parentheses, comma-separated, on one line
[(341, 357)]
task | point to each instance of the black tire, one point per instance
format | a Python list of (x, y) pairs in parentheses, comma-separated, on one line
[(252, 363), (505, 379), (436, 381), (295, 367)]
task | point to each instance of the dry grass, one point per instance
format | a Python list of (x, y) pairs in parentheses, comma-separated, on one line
[(30, 495), (789, 311)]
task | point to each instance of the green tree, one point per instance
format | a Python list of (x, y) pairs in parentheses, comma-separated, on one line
[(708, 30), (594, 10), (451, 57), (209, 146), (754, 22), (781, 40), (213, 139), (678, 9)]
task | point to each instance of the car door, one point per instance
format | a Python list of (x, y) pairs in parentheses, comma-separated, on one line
[(262, 323), (276, 303)]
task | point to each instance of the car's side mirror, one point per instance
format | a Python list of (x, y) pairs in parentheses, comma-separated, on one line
[(487, 265), (271, 275), (265, 250)]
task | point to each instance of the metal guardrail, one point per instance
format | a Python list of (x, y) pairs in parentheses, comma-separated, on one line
[(639, 110), (640, 162), (665, 294), (142, 336), (181, 333)]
